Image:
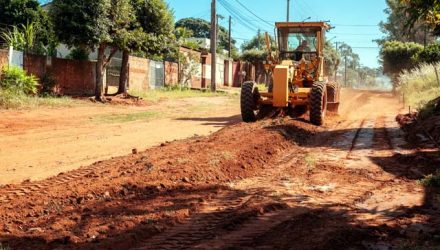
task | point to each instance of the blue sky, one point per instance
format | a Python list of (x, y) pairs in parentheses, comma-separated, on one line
[(355, 21)]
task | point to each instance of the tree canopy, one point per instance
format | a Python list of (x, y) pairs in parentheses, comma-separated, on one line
[(396, 26), (427, 11), (202, 29)]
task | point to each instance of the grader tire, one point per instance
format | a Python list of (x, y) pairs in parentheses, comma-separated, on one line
[(249, 101), (318, 103)]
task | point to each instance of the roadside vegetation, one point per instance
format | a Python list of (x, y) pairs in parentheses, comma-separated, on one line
[(19, 90), (168, 93)]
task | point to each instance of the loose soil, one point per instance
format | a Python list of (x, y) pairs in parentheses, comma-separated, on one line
[(273, 184), (37, 144)]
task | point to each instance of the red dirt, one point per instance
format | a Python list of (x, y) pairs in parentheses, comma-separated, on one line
[(275, 184)]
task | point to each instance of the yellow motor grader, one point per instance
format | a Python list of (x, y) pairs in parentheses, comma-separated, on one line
[(298, 83)]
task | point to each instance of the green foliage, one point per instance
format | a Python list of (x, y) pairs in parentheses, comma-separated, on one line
[(21, 38), (254, 56), (202, 29), (427, 11), (432, 180), (431, 54), (79, 53), (82, 22), (396, 26), (331, 59), (420, 85), (258, 42), (15, 80), (152, 32), (398, 56), (19, 13)]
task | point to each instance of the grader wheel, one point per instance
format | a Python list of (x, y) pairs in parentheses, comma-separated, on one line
[(249, 101), (318, 103)]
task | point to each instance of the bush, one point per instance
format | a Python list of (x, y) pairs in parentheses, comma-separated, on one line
[(431, 54), (254, 56), (78, 54), (398, 56), (15, 80)]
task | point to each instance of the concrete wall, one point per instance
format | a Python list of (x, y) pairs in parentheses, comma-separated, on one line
[(138, 73), (72, 77)]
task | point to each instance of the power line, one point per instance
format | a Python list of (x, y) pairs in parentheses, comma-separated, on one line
[(250, 11)]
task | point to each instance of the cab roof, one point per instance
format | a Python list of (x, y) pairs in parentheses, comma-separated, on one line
[(319, 25)]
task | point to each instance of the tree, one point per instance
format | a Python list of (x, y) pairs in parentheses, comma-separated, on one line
[(202, 29), (426, 11), (258, 42), (151, 34), (93, 24), (398, 56), (19, 13), (331, 59), (396, 28)]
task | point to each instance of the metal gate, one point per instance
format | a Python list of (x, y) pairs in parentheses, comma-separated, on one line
[(157, 74)]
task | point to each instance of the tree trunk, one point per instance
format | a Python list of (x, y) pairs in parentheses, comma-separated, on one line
[(123, 78), (100, 72)]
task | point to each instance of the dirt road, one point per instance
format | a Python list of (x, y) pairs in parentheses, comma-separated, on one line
[(41, 143), (274, 184)]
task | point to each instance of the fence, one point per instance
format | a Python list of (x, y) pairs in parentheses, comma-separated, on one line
[(78, 77)]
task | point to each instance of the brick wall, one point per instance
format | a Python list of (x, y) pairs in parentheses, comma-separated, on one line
[(3, 58), (72, 77), (138, 73), (171, 73)]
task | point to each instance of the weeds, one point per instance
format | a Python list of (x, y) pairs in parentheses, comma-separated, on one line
[(174, 93), (420, 85), (122, 118), (432, 180), (310, 160)]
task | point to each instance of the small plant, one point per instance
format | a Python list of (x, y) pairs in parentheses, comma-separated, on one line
[(310, 160), (15, 80), (432, 180)]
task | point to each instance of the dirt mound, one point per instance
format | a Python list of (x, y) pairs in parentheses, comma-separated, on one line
[(142, 192), (420, 131)]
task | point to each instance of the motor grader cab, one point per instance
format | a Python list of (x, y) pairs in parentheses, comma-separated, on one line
[(298, 82)]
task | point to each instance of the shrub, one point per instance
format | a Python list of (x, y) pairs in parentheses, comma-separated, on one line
[(398, 56), (254, 56), (48, 84), (79, 54), (15, 80), (431, 54)]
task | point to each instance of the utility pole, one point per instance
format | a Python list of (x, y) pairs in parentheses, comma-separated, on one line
[(288, 10), (345, 72), (213, 45), (230, 41)]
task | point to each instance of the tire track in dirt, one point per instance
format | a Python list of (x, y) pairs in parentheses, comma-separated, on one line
[(206, 231)]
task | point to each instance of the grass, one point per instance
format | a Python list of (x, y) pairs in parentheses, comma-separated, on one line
[(432, 180), (123, 118), (21, 101), (420, 85), (310, 160), (174, 93)]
